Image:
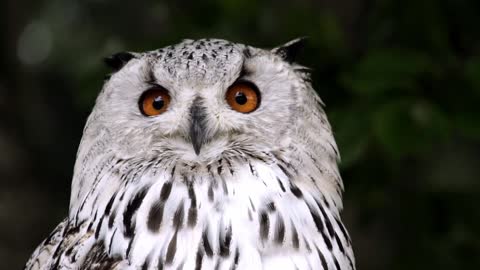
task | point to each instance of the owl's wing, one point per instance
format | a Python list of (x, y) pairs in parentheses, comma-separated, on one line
[(45, 251), (67, 245)]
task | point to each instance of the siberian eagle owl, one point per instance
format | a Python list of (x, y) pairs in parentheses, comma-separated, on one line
[(206, 155)]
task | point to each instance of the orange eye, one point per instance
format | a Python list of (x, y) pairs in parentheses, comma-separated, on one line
[(243, 97), (154, 101)]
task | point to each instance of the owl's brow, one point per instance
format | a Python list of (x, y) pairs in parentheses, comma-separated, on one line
[(150, 76), (243, 71), (247, 53)]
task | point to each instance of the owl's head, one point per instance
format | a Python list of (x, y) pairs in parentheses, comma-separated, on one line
[(199, 100), (186, 108)]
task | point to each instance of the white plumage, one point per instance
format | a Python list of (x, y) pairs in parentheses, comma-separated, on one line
[(203, 185)]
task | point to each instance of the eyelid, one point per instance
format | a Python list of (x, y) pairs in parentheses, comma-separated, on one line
[(152, 84), (243, 80)]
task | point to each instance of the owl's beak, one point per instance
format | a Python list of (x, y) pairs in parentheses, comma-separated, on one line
[(198, 134)]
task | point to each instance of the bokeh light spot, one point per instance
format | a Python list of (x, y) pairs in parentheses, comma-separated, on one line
[(35, 43)]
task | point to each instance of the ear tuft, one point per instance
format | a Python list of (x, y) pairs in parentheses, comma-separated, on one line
[(291, 49), (118, 60)]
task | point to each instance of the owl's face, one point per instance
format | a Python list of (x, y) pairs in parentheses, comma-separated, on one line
[(201, 99)]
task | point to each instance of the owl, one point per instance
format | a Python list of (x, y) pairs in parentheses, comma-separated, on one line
[(204, 155)]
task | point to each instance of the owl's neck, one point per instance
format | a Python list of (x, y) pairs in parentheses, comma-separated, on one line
[(299, 167)]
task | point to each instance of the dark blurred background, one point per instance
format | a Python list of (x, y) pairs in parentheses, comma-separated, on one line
[(401, 80)]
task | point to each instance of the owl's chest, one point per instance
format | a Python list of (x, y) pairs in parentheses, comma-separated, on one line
[(253, 212)]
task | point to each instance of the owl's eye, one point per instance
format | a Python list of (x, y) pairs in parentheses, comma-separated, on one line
[(154, 101), (243, 97)]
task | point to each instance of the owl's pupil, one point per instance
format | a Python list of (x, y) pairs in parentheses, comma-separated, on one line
[(158, 103), (240, 98)]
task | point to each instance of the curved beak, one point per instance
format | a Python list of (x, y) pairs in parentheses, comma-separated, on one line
[(198, 133)]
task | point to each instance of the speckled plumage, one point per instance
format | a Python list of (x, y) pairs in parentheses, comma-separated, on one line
[(263, 193)]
